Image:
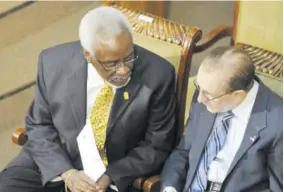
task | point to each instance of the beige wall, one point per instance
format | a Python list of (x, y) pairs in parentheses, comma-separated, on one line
[(7, 5), (260, 24)]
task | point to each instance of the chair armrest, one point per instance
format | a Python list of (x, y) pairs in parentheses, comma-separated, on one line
[(152, 184), (19, 137), (138, 183), (212, 37)]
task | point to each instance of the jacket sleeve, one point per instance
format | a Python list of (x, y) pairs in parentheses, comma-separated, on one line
[(150, 155), (175, 170), (43, 143), (275, 163)]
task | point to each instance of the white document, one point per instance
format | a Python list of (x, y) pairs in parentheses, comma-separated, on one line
[(92, 162), (146, 18)]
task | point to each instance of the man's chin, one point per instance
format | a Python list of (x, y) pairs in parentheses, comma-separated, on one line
[(223, 110), (119, 84), (211, 110)]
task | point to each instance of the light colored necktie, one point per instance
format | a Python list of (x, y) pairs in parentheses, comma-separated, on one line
[(214, 144), (99, 118)]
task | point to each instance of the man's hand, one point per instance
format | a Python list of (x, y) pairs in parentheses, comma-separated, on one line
[(78, 181), (103, 183)]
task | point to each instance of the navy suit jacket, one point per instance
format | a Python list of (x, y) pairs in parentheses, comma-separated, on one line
[(258, 164)]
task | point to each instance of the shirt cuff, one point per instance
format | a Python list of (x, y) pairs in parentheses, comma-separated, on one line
[(56, 179), (169, 189)]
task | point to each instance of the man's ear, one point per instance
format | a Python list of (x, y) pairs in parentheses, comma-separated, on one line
[(239, 93), (87, 55)]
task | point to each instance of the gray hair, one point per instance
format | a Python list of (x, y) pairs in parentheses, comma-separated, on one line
[(101, 26), (235, 60)]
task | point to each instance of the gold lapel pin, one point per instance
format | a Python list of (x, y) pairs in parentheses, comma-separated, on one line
[(126, 95)]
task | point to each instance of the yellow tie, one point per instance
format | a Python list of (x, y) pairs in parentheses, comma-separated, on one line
[(99, 118)]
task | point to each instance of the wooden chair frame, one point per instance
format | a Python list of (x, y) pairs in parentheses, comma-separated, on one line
[(265, 61)]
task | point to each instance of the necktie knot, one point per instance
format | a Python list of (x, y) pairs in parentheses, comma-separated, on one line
[(228, 115), (106, 90)]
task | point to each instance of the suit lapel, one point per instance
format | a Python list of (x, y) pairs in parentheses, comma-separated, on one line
[(76, 83), (120, 103), (256, 123), (205, 125)]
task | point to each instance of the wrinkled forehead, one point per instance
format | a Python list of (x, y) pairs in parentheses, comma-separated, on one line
[(117, 48), (213, 80)]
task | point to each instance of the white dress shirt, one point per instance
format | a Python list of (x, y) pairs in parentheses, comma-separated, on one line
[(220, 166), (94, 85)]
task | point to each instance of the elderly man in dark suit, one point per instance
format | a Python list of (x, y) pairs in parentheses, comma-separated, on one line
[(124, 92), (234, 136)]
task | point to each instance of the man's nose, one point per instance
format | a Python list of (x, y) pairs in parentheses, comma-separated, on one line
[(200, 97), (122, 70), (121, 63)]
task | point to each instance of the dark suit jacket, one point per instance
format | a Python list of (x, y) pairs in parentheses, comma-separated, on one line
[(258, 164), (140, 133)]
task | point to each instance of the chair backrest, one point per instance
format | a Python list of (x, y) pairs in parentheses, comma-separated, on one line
[(268, 66), (173, 41), (260, 24), (158, 8), (258, 30)]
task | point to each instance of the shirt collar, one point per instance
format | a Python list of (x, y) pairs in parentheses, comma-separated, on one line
[(94, 79), (244, 109)]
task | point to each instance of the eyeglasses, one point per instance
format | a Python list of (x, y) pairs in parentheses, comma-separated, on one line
[(207, 96), (113, 65)]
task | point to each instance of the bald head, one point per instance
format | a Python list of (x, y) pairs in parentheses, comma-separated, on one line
[(224, 78), (231, 64)]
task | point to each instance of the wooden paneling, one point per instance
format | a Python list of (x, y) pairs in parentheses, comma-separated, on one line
[(8, 5), (153, 7), (236, 17), (260, 23)]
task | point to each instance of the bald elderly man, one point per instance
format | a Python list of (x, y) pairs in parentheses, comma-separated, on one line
[(233, 140)]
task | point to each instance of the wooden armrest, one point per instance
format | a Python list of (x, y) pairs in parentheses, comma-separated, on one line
[(152, 184), (19, 137), (138, 183), (212, 37)]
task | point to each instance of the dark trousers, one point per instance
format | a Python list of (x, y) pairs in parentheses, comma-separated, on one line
[(25, 179)]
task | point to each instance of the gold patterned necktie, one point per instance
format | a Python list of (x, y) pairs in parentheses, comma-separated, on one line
[(99, 118)]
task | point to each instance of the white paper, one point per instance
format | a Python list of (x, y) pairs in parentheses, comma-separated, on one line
[(146, 18), (92, 162)]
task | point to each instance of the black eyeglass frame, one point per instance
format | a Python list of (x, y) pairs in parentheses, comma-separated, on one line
[(117, 63), (198, 89)]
